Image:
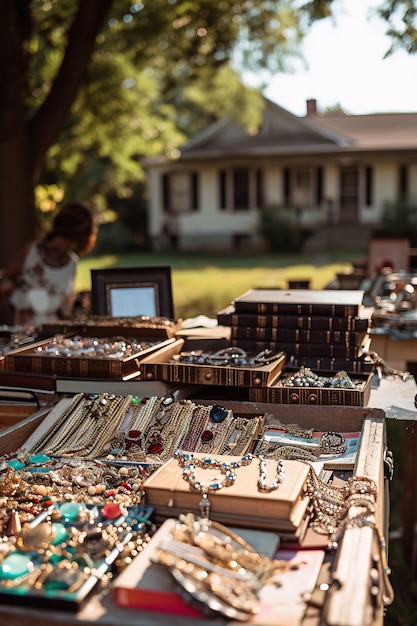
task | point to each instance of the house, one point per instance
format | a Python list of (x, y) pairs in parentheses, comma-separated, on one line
[(334, 171)]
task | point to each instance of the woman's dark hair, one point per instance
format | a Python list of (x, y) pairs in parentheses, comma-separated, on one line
[(75, 222)]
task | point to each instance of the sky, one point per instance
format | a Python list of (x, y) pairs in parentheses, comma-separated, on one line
[(345, 66)]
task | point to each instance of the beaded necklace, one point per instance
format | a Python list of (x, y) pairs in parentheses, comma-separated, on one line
[(262, 486), (190, 463)]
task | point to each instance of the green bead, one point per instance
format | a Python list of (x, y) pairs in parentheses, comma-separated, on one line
[(15, 464), (60, 533), (70, 510), (37, 459), (14, 565)]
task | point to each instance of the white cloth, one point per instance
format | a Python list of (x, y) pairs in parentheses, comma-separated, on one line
[(43, 289)]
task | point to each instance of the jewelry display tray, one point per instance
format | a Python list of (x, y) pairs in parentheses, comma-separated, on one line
[(30, 360), (357, 548), (60, 597), (106, 326), (160, 366), (276, 393)]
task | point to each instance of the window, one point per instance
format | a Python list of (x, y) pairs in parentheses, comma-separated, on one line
[(259, 189), (403, 181), (319, 185), (180, 192), (369, 185), (223, 189), (287, 186), (241, 189), (303, 186)]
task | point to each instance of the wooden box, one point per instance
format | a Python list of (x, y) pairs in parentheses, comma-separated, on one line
[(14, 436), (106, 326), (278, 393), (161, 365), (36, 360)]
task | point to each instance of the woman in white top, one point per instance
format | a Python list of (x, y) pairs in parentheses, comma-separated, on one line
[(40, 280)]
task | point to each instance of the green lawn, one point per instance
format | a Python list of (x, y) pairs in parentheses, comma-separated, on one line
[(207, 284)]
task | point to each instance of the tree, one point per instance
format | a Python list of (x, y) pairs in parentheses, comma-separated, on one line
[(57, 59)]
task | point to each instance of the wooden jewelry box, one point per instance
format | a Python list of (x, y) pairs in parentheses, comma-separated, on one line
[(279, 393), (40, 357), (166, 364)]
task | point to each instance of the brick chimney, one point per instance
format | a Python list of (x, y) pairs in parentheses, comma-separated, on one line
[(311, 107)]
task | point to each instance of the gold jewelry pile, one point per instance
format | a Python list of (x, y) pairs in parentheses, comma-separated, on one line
[(217, 567)]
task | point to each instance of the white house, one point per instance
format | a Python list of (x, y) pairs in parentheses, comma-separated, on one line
[(324, 169)]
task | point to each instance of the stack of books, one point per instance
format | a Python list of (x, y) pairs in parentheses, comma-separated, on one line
[(317, 328)]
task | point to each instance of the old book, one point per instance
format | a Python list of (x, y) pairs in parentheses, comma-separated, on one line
[(305, 322), (149, 586), (283, 604), (143, 388), (241, 503), (25, 380), (345, 460), (328, 350), (297, 335), (359, 365), (300, 302)]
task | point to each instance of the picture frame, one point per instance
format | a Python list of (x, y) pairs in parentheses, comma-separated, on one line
[(132, 292)]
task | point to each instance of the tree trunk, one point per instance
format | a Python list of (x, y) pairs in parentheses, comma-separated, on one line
[(17, 216)]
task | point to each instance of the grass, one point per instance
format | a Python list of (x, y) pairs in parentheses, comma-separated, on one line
[(206, 284)]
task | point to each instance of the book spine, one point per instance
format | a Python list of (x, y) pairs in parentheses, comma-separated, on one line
[(286, 308), (148, 600), (307, 322), (300, 349), (321, 363), (296, 335)]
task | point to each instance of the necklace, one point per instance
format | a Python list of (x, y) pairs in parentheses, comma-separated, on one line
[(190, 463), (262, 486)]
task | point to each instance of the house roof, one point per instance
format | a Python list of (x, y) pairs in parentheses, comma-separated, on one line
[(284, 133)]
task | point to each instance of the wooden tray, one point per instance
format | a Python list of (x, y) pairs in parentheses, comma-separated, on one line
[(32, 360), (279, 394), (160, 366)]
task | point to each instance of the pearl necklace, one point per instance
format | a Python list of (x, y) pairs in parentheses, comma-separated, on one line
[(262, 486)]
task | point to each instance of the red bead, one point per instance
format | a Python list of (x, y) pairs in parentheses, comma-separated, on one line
[(127, 486), (111, 510), (154, 448), (207, 435)]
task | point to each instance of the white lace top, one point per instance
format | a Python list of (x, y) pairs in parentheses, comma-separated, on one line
[(42, 289)]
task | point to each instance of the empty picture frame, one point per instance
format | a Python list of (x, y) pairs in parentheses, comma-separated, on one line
[(132, 292)]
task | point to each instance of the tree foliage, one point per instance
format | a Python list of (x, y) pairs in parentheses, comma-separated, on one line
[(91, 86)]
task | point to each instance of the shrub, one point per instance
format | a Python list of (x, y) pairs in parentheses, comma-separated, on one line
[(399, 220), (280, 229)]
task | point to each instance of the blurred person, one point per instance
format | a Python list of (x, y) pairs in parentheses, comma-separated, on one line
[(39, 281)]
